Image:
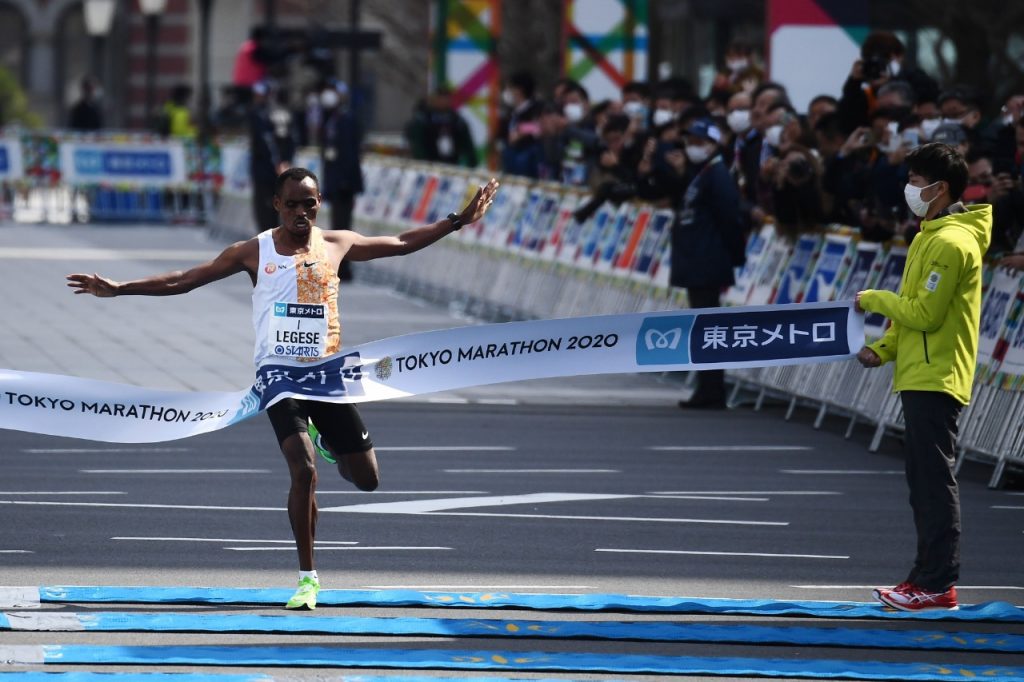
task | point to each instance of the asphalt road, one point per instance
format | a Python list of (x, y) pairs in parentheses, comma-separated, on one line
[(635, 501), (571, 486)]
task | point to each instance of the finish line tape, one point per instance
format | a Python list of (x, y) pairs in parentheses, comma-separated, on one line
[(519, 661), (163, 677), (444, 360), (991, 611), (449, 627)]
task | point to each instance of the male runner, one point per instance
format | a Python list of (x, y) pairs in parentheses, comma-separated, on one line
[(296, 262)]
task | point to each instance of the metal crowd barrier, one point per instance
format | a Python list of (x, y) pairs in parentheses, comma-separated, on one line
[(488, 275), (110, 176)]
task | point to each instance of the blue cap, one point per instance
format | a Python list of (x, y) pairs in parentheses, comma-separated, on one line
[(950, 133), (707, 129)]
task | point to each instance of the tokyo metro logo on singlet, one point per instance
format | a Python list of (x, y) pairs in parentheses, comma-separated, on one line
[(298, 330)]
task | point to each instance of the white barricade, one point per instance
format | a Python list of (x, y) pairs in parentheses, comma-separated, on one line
[(530, 258)]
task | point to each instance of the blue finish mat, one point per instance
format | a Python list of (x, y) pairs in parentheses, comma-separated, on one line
[(467, 627), (519, 661), (991, 611)]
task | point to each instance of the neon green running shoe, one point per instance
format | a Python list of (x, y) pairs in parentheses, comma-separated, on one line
[(305, 596), (318, 444)]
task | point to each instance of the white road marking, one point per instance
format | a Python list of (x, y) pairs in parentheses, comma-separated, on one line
[(729, 448), (174, 471), (15, 551), (446, 448), (713, 498), (319, 548), (79, 451), (1005, 506), (446, 588), (750, 554), (532, 471), (126, 505), (497, 401), (616, 518), (66, 492), (871, 587), (746, 492), (402, 492), (261, 542), (445, 504), (448, 401), (843, 472)]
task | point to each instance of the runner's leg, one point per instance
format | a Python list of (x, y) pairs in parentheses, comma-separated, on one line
[(302, 511)]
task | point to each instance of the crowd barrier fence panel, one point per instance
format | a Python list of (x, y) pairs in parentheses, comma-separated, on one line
[(529, 258)]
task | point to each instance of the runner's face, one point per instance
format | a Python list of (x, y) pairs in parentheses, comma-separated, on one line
[(298, 205)]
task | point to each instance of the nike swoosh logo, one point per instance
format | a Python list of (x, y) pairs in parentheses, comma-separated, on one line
[(309, 265), (366, 434)]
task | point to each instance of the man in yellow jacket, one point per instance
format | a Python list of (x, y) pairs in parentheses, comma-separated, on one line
[(933, 339)]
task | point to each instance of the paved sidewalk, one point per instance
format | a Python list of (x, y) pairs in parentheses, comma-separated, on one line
[(203, 340)]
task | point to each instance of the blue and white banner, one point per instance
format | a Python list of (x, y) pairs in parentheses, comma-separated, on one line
[(11, 166), (148, 164), (443, 360)]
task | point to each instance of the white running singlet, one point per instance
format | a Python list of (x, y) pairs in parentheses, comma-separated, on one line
[(295, 303)]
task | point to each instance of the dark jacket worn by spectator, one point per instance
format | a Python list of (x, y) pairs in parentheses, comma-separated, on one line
[(707, 239)]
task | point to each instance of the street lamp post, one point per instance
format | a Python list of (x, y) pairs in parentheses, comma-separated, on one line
[(151, 9), (99, 18)]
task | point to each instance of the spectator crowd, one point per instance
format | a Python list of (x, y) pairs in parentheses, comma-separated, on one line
[(842, 161)]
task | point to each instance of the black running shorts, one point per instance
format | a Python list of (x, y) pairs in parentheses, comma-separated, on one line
[(339, 423)]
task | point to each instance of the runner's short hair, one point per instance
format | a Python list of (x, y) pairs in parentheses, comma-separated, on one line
[(936, 161), (296, 174)]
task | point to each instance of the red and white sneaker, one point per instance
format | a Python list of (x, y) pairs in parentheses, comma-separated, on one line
[(879, 591), (913, 598)]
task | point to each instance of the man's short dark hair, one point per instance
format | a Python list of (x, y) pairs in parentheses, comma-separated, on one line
[(638, 88), (904, 89), (936, 161), (524, 82), (296, 174), (782, 97), (881, 44), (823, 98), (573, 86)]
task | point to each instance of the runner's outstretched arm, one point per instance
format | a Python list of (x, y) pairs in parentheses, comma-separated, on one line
[(230, 261), (368, 248)]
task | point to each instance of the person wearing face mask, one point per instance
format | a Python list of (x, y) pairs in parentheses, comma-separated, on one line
[(999, 136), (707, 241), (740, 63), (882, 61), (342, 174), (271, 150), (960, 106), (986, 185), (933, 341), (578, 139), (519, 130)]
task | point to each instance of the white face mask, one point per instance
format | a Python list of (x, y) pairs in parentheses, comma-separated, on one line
[(893, 141), (508, 98), (928, 126), (573, 112), (738, 120), (736, 65), (329, 99), (918, 206), (773, 136), (894, 68), (634, 109), (663, 116), (698, 153)]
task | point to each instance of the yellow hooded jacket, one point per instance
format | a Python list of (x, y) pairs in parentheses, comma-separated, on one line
[(934, 333)]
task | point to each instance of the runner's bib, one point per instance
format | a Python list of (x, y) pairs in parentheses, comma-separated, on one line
[(298, 330)]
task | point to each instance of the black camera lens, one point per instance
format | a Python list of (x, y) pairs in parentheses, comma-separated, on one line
[(875, 66)]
